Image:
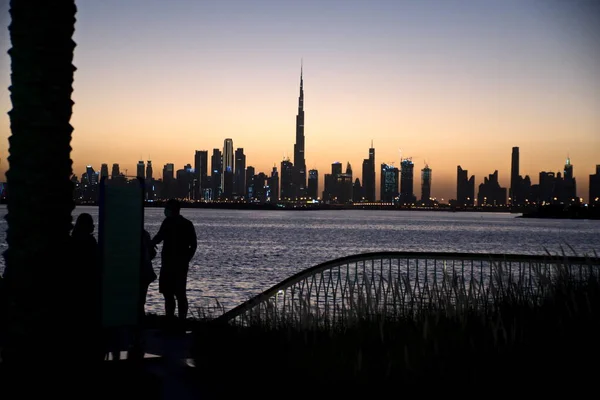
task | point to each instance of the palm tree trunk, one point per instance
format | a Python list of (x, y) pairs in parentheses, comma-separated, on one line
[(40, 201)]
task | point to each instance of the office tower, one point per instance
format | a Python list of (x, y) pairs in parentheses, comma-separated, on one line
[(368, 174), (149, 171), (299, 172), (336, 168), (389, 183), (141, 169), (168, 178), (115, 171), (407, 195), (594, 198), (260, 187), (250, 183), (547, 184), (273, 183), (185, 182), (465, 188), (344, 186), (357, 192), (426, 185), (287, 184), (240, 173), (490, 192), (228, 172), (515, 179), (569, 194), (313, 184), (216, 167), (200, 172), (104, 171)]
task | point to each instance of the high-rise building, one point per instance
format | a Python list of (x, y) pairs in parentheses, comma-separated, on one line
[(200, 173), (515, 179), (389, 183), (287, 184), (594, 198), (240, 173), (465, 188), (407, 171), (426, 185), (216, 167), (368, 175), (141, 169), (115, 171), (104, 171), (273, 183), (149, 170), (547, 184), (250, 183), (228, 171), (569, 194), (169, 187), (357, 191), (490, 193), (313, 184), (299, 172)]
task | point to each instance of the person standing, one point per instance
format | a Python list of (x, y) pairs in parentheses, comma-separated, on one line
[(180, 242)]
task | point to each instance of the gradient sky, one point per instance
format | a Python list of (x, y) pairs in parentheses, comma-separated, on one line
[(444, 82)]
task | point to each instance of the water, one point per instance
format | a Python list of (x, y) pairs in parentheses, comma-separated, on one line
[(241, 253)]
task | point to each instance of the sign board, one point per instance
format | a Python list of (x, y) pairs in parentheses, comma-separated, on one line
[(121, 222)]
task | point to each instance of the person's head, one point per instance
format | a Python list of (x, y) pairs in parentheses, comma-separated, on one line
[(172, 208), (84, 224)]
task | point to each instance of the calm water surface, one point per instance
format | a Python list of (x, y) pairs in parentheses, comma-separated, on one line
[(241, 253)]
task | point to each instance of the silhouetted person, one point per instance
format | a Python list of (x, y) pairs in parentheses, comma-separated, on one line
[(147, 276), (179, 237), (86, 299)]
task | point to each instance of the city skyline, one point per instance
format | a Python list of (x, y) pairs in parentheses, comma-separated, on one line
[(456, 88)]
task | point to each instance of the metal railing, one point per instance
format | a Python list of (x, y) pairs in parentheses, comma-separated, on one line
[(397, 284)]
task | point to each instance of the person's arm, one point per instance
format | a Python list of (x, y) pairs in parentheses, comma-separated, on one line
[(160, 235), (193, 241)]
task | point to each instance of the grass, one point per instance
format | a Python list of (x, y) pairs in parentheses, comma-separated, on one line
[(453, 342)]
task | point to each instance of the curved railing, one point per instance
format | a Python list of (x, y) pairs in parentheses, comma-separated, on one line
[(396, 284)]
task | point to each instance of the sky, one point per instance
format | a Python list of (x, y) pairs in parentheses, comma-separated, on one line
[(445, 82)]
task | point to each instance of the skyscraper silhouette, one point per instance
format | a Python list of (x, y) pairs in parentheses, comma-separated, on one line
[(200, 172), (104, 171), (594, 196), (465, 188), (389, 183), (287, 185), (368, 173), (239, 180), (216, 166), (313, 184), (426, 185), (228, 172), (299, 170), (515, 180), (407, 172), (141, 169)]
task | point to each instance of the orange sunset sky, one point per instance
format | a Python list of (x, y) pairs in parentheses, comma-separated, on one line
[(444, 82)]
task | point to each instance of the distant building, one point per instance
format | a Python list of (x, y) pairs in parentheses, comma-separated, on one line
[(216, 167), (200, 173), (426, 185), (357, 191), (169, 187), (141, 170), (465, 188), (569, 192), (104, 171), (239, 180), (250, 183), (287, 183), (368, 175), (595, 187), (115, 171), (273, 182), (299, 166), (313, 184), (149, 171), (490, 192), (389, 183), (228, 169), (407, 171)]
